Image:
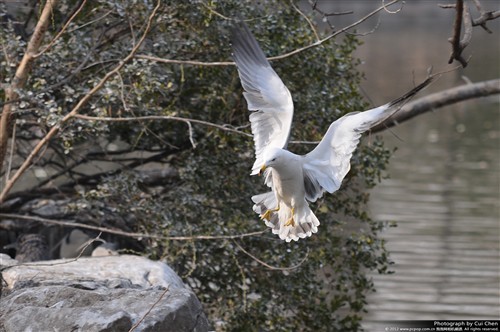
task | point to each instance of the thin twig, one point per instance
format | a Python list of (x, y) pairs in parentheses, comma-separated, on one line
[(278, 57), (270, 266), (149, 310), (185, 62), (447, 6), (363, 34), (213, 11), (91, 22), (52, 42), (11, 152), (361, 20), (395, 11), (311, 24), (161, 117), (485, 16), (314, 6), (191, 138), (72, 224)]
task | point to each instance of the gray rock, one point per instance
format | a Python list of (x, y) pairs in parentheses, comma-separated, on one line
[(30, 248), (106, 249), (111, 293)]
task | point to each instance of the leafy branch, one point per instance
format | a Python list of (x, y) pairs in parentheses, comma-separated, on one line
[(55, 129)]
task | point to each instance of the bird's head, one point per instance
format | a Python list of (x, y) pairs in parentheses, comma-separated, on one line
[(272, 157)]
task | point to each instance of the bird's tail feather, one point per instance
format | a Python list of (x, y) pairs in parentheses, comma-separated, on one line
[(304, 223)]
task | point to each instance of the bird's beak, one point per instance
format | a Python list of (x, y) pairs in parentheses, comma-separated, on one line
[(262, 169)]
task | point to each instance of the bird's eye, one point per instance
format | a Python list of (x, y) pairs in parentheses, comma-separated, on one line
[(273, 159)]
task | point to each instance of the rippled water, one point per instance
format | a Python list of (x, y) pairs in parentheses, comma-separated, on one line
[(444, 185), (444, 195)]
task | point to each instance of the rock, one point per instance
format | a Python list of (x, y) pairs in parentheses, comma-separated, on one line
[(106, 249), (30, 248), (110, 293)]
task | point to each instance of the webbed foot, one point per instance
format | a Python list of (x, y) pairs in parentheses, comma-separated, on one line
[(267, 214), (291, 222)]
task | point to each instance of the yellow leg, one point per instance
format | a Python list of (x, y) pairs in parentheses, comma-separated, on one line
[(290, 221), (267, 214)]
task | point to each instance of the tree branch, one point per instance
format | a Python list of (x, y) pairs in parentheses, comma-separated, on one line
[(485, 16), (161, 117), (278, 57), (21, 75), (54, 130), (440, 99), (458, 45), (72, 224), (270, 267), (46, 48)]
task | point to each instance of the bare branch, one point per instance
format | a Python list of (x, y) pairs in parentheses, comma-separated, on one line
[(447, 6), (393, 11), (314, 6), (213, 11), (55, 129), (440, 99), (319, 42), (62, 30), (467, 36), (463, 17), (91, 22), (311, 24), (149, 310), (278, 57), (456, 53), (72, 224), (270, 267), (185, 62), (362, 34), (162, 117), (11, 155), (485, 16)]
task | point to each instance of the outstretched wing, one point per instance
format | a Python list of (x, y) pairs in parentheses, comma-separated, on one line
[(326, 166), (266, 95)]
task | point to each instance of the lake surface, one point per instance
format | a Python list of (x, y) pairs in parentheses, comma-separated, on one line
[(444, 187), (444, 195)]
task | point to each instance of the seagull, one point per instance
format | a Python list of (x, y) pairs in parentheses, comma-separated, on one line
[(295, 180)]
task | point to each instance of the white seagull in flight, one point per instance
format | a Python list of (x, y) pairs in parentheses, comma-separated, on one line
[(295, 180)]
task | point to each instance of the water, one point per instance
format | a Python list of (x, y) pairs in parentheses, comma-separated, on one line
[(444, 187), (444, 194)]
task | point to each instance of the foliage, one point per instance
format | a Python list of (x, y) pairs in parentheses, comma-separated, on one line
[(101, 165)]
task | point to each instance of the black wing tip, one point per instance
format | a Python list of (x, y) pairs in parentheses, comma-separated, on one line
[(245, 45), (239, 30), (415, 90)]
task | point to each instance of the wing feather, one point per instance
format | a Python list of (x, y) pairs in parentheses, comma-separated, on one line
[(326, 166), (266, 95)]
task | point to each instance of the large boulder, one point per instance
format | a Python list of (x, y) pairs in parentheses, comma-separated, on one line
[(112, 293)]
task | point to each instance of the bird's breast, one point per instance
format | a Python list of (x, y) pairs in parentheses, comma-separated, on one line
[(288, 183)]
